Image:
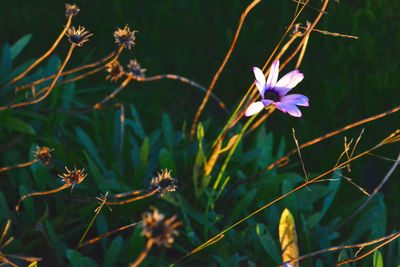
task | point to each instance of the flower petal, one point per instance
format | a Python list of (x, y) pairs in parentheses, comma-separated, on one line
[(273, 74), (295, 99), (260, 87), (266, 102), (290, 80), (254, 108), (291, 109), (259, 75)]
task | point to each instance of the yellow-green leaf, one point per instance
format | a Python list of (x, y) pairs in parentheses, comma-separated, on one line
[(288, 237), (33, 264)]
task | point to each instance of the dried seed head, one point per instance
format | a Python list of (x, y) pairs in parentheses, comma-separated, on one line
[(135, 70), (73, 177), (43, 154), (125, 38), (161, 231), (163, 182), (115, 71), (79, 36), (71, 10)]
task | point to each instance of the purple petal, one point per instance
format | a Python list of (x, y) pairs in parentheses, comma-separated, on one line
[(254, 108), (295, 99), (259, 76), (290, 80), (266, 102), (260, 87), (291, 109), (273, 74)]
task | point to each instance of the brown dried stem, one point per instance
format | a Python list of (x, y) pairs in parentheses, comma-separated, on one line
[(184, 80), (45, 55), (41, 194), (132, 199), (49, 88), (285, 159), (93, 240), (113, 94), (143, 254), (361, 245), (216, 76), (20, 165)]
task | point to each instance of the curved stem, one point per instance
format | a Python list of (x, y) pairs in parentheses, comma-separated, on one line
[(45, 55), (132, 199), (184, 80), (50, 87), (143, 254), (216, 76), (113, 94), (40, 194), (21, 165)]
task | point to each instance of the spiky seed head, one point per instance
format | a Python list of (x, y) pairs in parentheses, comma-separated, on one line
[(163, 182), (125, 37), (73, 177), (77, 36), (115, 71), (43, 154), (71, 10), (159, 230), (135, 70)]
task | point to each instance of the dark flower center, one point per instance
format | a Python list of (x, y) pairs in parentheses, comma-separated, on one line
[(158, 230), (272, 95), (165, 183)]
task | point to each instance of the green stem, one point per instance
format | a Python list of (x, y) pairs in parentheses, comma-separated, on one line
[(221, 172)]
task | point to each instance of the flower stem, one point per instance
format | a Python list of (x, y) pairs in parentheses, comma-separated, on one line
[(45, 55), (143, 254), (20, 165), (40, 194), (133, 199)]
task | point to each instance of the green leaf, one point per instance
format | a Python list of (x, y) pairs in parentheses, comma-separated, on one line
[(136, 244), (136, 124), (91, 148), (77, 260), (168, 131), (343, 256), (4, 212), (166, 159), (113, 252), (19, 45), (378, 260), (241, 206), (17, 125), (144, 151), (268, 243), (6, 61), (27, 202), (54, 240)]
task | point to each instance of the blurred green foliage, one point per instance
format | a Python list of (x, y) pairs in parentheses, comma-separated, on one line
[(345, 79)]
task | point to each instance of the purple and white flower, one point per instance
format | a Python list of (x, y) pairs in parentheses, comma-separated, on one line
[(273, 92)]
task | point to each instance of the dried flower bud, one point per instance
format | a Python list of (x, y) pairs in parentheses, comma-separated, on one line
[(79, 36), (163, 182), (135, 70), (125, 38), (73, 177), (71, 10), (43, 154), (115, 71), (159, 230)]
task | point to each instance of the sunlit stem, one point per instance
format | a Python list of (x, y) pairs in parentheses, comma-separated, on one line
[(132, 199), (50, 87), (40, 194), (92, 221), (91, 241), (113, 94), (45, 55), (21, 165), (143, 254), (222, 171)]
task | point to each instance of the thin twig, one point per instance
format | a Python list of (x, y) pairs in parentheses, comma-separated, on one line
[(20, 165), (216, 76), (384, 180), (45, 55), (132, 199), (143, 254)]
